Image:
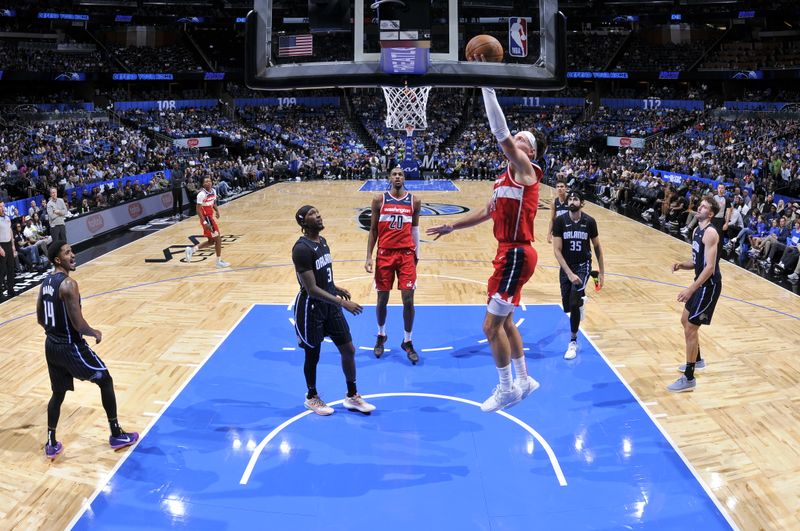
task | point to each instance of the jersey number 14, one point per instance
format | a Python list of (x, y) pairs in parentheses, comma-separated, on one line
[(49, 313)]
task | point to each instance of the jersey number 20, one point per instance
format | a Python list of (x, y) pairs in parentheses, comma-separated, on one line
[(396, 223)]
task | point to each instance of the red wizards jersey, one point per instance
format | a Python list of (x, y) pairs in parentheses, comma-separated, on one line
[(394, 223), (206, 200), (515, 207)]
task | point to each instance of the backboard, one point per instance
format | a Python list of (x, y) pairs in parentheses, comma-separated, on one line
[(403, 42)]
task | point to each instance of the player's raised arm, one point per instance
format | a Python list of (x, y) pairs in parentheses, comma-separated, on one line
[(519, 150)]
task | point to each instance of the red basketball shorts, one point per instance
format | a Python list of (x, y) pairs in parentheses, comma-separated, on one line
[(513, 267), (391, 262), (210, 226)]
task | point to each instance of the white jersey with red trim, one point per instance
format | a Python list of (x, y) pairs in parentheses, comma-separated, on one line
[(206, 201), (515, 207)]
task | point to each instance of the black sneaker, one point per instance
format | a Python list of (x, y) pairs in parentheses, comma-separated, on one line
[(379, 343), (413, 357)]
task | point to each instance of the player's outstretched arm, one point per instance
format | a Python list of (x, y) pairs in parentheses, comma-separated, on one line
[(470, 220)]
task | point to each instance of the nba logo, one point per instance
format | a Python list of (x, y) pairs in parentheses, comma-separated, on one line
[(517, 37)]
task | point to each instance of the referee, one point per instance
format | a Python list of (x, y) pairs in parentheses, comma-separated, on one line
[(8, 251)]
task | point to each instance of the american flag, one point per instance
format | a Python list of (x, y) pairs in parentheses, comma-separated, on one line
[(293, 45)]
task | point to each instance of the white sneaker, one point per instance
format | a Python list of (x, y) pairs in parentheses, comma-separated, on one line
[(189, 253), (793, 277), (356, 403), (528, 385), (500, 399), (318, 406), (572, 351), (222, 263)]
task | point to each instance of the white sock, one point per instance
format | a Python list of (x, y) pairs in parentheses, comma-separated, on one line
[(505, 377), (520, 367), (406, 336), (382, 330), (219, 259)]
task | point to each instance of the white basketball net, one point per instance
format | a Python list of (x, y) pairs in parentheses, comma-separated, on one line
[(405, 106)]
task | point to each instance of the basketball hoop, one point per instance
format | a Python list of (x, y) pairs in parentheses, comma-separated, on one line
[(406, 107)]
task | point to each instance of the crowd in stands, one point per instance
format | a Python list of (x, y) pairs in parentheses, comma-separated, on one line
[(45, 57), (753, 54), (592, 50), (171, 58), (640, 54), (190, 122)]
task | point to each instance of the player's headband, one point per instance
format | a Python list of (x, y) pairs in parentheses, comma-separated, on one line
[(300, 216), (576, 194), (531, 140)]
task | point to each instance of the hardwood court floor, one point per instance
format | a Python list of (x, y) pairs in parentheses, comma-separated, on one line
[(740, 428)]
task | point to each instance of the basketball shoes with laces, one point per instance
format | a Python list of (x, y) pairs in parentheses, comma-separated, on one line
[(379, 345), (318, 406), (412, 355), (501, 399), (356, 403)]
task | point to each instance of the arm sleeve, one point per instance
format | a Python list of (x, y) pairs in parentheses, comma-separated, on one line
[(497, 121), (415, 237), (303, 258)]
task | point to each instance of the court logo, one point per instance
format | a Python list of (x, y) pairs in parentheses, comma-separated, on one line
[(427, 209), (199, 255)]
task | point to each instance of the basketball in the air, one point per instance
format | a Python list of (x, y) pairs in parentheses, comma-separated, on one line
[(485, 45)]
